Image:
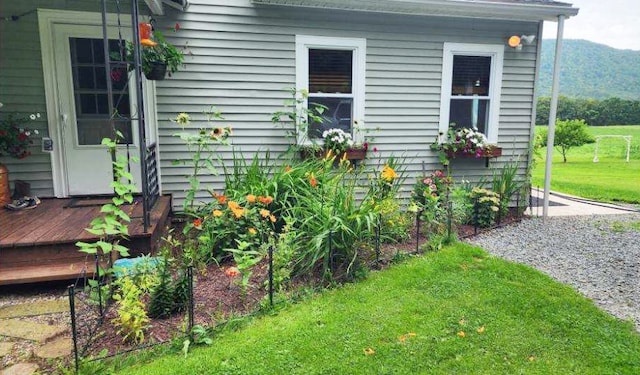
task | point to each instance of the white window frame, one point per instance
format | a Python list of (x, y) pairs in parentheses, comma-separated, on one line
[(496, 52), (359, 48)]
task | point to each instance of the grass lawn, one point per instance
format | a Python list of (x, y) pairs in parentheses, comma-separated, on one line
[(611, 179), (454, 311)]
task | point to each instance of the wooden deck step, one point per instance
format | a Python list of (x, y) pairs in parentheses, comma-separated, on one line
[(39, 245), (37, 273)]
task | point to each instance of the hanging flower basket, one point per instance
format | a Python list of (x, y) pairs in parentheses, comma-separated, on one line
[(157, 71)]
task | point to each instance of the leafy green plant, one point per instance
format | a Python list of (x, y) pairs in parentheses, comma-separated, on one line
[(157, 51), (201, 143), (296, 118), (486, 205), (181, 291), (112, 226), (505, 183), (245, 260), (430, 197), (283, 254), (199, 335), (161, 304), (132, 318)]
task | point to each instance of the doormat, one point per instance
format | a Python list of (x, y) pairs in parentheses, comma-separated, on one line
[(94, 202)]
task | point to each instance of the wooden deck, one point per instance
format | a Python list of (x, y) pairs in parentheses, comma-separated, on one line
[(39, 244)]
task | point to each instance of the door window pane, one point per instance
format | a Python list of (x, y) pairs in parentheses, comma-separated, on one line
[(337, 114), (90, 92), (330, 71)]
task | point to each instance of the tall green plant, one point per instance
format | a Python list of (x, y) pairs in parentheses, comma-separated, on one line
[(296, 118), (112, 225), (201, 143), (505, 183)]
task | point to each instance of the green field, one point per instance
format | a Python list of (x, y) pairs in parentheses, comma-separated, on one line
[(611, 179)]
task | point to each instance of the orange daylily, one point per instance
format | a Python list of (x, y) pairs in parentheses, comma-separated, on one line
[(221, 198), (251, 198), (197, 223), (312, 180), (236, 209), (265, 200), (232, 272)]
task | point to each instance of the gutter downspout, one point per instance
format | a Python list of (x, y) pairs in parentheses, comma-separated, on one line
[(552, 116)]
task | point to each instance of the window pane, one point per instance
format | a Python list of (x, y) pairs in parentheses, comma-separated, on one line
[(81, 50), (338, 114), (87, 105), (471, 75), (330, 71), (469, 113), (91, 131), (85, 78)]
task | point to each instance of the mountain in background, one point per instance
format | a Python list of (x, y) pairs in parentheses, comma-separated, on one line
[(591, 70)]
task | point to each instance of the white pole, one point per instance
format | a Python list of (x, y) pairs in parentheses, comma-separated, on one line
[(552, 116)]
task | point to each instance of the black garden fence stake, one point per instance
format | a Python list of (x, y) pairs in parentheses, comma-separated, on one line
[(499, 218), (191, 302), (99, 285), (475, 216), (74, 333), (271, 276), (378, 239), (449, 219), (417, 230)]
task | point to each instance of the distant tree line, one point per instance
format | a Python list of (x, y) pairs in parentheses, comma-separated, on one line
[(611, 111)]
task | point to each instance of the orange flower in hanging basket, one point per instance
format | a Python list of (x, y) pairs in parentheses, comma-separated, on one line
[(148, 43), (145, 30)]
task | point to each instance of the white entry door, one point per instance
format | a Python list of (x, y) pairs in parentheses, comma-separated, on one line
[(82, 100)]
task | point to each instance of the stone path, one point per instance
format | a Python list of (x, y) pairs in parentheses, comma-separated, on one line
[(34, 308), (20, 369), (32, 332), (24, 329)]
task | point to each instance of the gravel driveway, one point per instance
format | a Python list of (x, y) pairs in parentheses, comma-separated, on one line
[(597, 255)]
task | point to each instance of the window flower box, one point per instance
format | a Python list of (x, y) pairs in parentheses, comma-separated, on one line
[(491, 151)]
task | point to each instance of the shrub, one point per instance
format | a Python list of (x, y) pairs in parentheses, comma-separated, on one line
[(485, 206), (162, 297), (132, 318)]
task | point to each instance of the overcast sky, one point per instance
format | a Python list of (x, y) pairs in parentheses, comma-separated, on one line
[(615, 23)]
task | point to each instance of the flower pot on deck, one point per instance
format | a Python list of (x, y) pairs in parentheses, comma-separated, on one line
[(5, 192)]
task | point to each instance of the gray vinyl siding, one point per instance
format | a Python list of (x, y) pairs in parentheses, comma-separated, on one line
[(22, 82), (243, 61)]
